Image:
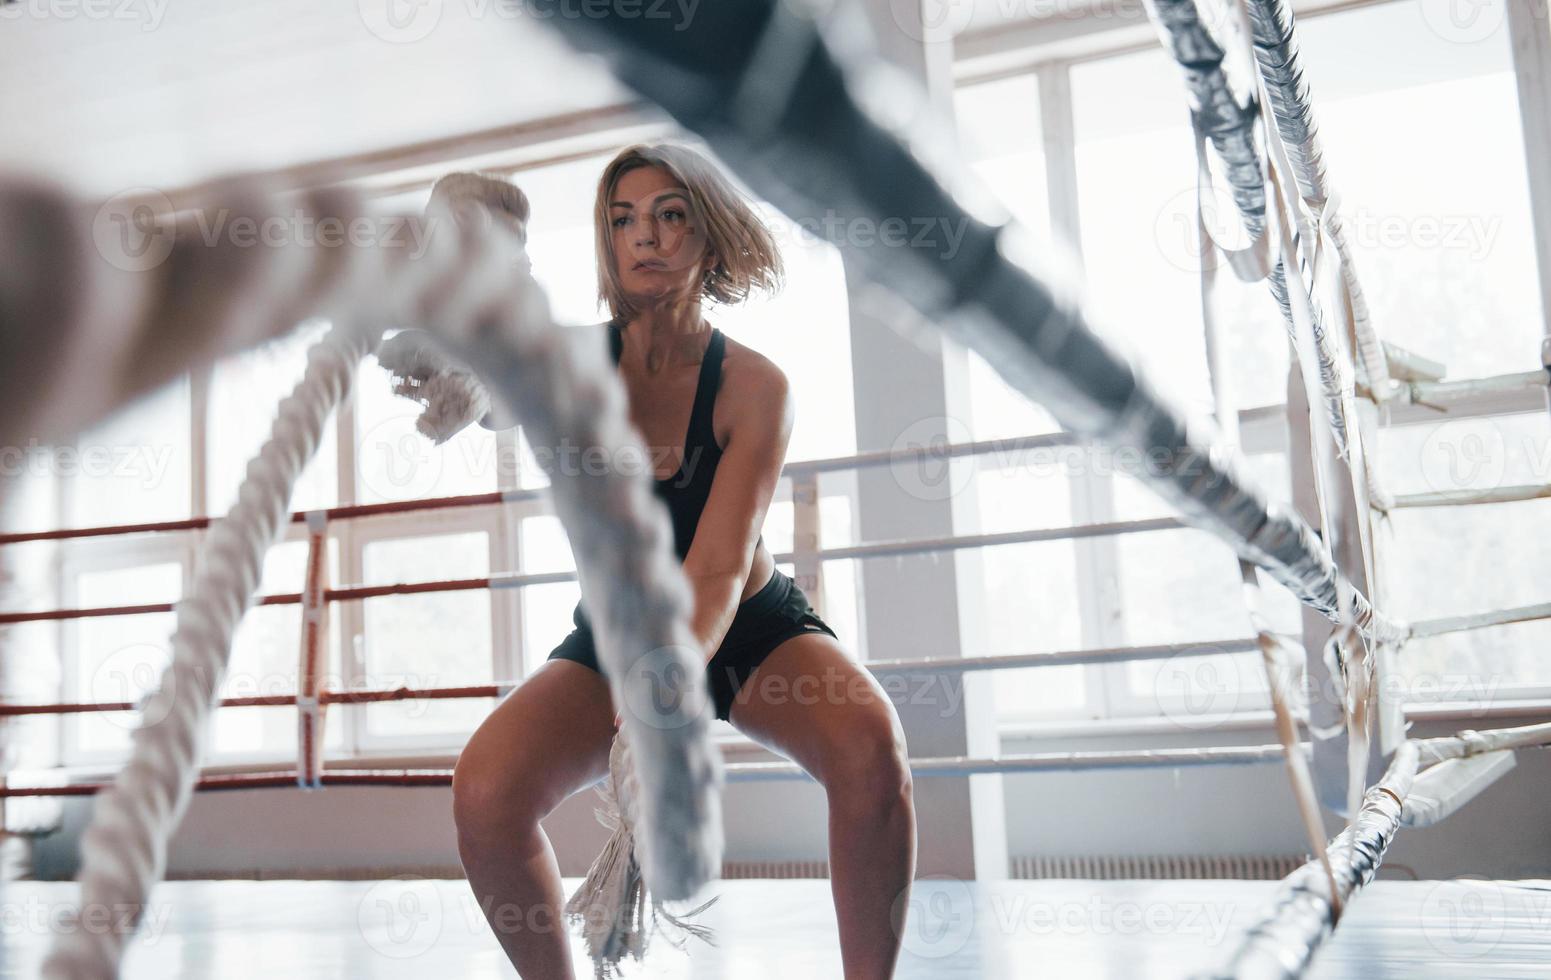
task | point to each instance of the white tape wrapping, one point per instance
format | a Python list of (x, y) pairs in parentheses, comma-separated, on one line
[(312, 657)]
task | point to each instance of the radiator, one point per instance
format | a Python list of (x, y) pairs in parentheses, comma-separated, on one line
[(775, 869), (1107, 867), (731, 869)]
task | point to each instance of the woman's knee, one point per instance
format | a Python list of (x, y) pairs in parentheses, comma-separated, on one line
[(499, 796), (871, 764), (547, 740)]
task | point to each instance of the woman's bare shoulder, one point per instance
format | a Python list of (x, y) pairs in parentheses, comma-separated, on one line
[(745, 369)]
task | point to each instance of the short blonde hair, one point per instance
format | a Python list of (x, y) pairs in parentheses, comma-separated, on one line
[(747, 258), (492, 194)]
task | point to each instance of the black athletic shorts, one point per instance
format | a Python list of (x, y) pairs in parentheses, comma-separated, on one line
[(765, 620)]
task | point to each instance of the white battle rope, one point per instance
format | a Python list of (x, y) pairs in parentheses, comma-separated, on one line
[(124, 848), (467, 287), (563, 386), (101, 303)]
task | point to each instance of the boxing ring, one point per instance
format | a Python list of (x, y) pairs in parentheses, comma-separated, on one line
[(793, 106)]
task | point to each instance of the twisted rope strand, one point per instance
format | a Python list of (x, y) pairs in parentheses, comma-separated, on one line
[(124, 849), (465, 287)]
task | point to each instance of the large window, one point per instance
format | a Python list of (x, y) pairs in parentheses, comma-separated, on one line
[(1420, 122), (1177, 587), (1456, 561), (184, 449), (1420, 118), (134, 467)]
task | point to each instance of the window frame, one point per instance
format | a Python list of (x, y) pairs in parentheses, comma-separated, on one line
[(1049, 55), (1025, 49)]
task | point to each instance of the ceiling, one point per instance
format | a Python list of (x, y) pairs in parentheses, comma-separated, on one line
[(149, 93)]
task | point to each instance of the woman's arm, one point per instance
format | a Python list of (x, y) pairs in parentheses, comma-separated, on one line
[(722, 553)]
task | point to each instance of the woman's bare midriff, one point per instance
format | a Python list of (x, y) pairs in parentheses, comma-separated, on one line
[(760, 570)]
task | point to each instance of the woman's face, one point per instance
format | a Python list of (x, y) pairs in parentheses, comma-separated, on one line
[(660, 252)]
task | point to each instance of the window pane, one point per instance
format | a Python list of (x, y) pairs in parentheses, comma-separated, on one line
[(780, 526), (1029, 491), (134, 466), (1183, 587), (245, 392), (1493, 552), (1466, 455), (431, 640), (1030, 590), (530, 476), (546, 609), (560, 236), (805, 330), (1441, 226), (1137, 202), (1031, 606), (1496, 560), (999, 128), (1142, 279), (838, 601), (546, 619), (545, 547), (1479, 667), (265, 654), (999, 411), (120, 658), (841, 607)]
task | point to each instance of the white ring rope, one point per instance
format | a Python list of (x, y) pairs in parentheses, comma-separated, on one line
[(124, 848), (1283, 940)]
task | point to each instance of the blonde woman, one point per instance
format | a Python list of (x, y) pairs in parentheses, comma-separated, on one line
[(715, 415)]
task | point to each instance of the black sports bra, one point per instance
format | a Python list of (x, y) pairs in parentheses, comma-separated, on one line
[(686, 491)]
